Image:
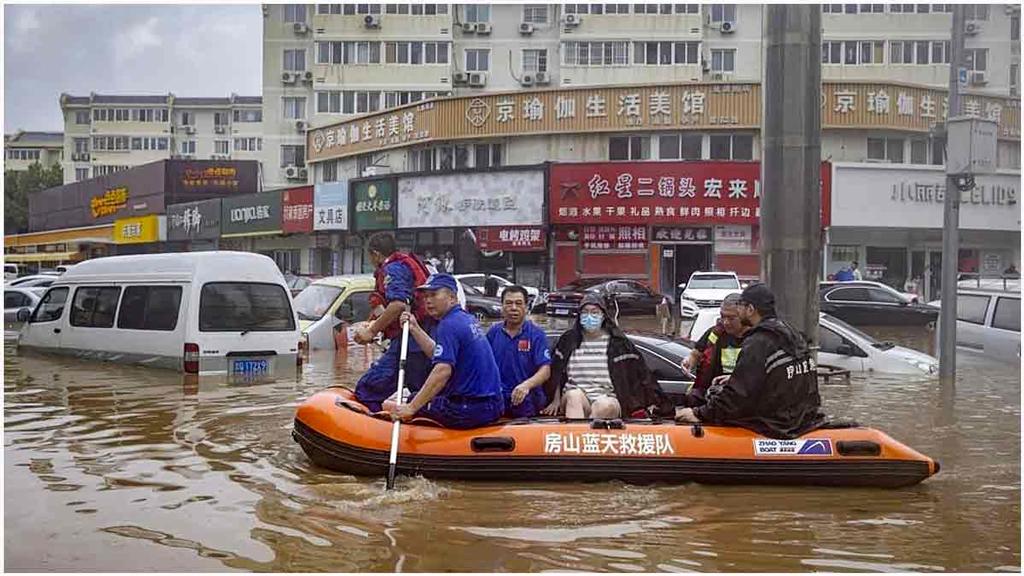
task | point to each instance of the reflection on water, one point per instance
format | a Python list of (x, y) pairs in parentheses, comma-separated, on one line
[(113, 467)]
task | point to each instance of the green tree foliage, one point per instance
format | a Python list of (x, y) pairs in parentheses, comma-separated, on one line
[(18, 185)]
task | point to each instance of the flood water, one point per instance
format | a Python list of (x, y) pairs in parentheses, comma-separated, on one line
[(117, 468)]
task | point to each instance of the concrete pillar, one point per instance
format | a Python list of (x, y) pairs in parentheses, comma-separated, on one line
[(791, 162)]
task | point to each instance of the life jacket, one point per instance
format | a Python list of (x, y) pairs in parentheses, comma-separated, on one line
[(420, 273)]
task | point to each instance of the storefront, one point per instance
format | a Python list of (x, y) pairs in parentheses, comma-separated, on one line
[(330, 224), (372, 205), (140, 234), (889, 219), (253, 223), (34, 251), (193, 226), (487, 221)]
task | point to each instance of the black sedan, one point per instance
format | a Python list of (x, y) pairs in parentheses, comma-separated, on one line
[(633, 298), (662, 356), (873, 304), (479, 305)]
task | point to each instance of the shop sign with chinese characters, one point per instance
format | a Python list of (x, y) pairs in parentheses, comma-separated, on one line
[(297, 210), (330, 206), (614, 237), (511, 238), (140, 229), (508, 198), (731, 239), (112, 201), (194, 220), (682, 235), (373, 204), (700, 106)]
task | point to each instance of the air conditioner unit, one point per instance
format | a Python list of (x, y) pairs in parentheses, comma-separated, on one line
[(371, 21), (541, 78), (572, 20), (468, 27), (483, 28), (972, 28), (977, 78), (527, 80), (190, 129), (300, 125), (288, 77), (728, 27), (307, 76), (525, 28), (219, 129), (460, 78), (303, 173), (300, 28), (477, 79), (291, 171)]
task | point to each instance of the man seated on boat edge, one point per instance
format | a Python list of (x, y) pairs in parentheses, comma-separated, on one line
[(521, 352), (716, 352), (774, 389), (395, 277), (463, 389), (597, 372)]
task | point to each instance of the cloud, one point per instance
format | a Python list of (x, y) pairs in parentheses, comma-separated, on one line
[(136, 39), (26, 23)]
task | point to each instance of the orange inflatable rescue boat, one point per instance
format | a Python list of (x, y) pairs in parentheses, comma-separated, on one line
[(340, 434)]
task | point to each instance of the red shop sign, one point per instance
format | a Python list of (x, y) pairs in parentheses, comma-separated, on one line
[(704, 193), (297, 210), (614, 237), (511, 238)]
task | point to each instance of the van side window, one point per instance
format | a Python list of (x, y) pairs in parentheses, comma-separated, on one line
[(971, 308), (150, 308), (244, 306), (94, 306), (51, 307), (1007, 315)]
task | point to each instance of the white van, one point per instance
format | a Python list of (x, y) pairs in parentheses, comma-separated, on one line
[(10, 272), (198, 312)]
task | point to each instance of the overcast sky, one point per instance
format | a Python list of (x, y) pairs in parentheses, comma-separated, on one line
[(190, 50)]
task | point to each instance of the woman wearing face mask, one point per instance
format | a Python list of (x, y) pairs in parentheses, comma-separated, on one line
[(597, 372)]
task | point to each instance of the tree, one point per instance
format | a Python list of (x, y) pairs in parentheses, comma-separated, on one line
[(18, 185)]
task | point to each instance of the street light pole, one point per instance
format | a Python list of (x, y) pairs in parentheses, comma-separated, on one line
[(951, 217)]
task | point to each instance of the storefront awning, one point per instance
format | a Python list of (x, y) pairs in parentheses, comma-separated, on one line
[(43, 257), (94, 234)]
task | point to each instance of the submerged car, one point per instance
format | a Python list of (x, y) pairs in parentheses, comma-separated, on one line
[(632, 297), (873, 304), (988, 323), (479, 281)]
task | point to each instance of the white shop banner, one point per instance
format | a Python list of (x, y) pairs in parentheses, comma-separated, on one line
[(513, 198), (875, 196), (330, 206)]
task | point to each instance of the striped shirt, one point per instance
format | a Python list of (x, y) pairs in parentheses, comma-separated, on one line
[(588, 368)]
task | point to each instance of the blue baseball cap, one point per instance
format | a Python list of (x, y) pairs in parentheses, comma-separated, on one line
[(438, 281)]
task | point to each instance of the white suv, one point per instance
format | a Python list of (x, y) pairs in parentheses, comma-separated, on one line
[(706, 290), (988, 322)]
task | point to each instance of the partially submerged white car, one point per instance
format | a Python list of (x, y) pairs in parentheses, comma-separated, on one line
[(706, 290), (846, 347)]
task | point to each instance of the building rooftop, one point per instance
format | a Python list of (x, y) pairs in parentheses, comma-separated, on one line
[(93, 99), (25, 137)]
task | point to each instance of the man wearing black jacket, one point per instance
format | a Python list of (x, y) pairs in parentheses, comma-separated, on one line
[(774, 387)]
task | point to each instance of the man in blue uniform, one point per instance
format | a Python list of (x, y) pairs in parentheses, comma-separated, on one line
[(463, 389), (522, 355), (397, 274)]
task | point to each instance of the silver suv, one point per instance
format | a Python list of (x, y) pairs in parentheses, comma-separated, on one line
[(988, 322)]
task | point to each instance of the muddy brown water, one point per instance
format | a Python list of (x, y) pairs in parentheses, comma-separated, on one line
[(120, 468)]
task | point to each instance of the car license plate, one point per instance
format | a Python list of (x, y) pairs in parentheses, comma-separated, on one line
[(561, 312), (250, 367)]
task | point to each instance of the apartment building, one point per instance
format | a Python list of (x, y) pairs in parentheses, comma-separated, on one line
[(105, 134), (22, 149)]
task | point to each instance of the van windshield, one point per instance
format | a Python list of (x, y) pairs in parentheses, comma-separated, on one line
[(245, 307), (313, 302)]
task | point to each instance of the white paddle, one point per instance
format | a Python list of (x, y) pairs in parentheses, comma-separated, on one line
[(393, 458)]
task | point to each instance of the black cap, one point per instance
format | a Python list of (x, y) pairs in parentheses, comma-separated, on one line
[(759, 296)]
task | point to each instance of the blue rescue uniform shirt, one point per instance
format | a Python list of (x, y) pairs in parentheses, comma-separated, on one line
[(460, 343), (519, 357)]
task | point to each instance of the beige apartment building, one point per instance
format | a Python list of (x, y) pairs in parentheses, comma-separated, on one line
[(22, 149)]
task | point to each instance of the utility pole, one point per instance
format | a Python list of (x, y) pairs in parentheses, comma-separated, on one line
[(791, 161), (951, 216)]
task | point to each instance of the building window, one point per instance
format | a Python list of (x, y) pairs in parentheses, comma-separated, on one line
[(595, 53), (396, 8), (188, 147), (976, 59), (1014, 79), (81, 145), (294, 108), (329, 171), (652, 53), (429, 9), (416, 52), (1008, 155), (723, 13), (901, 8), (22, 154), (220, 118), (328, 8), (535, 61), (487, 155), (294, 12), (81, 117), (251, 144), (629, 148), (81, 174), (367, 9), (852, 52), (248, 115), (148, 143), (222, 147), (477, 60), (535, 13), (886, 150), (940, 51), (901, 52), (104, 169), (723, 60), (110, 143), (347, 52), (687, 8), (1015, 27), (613, 9), (680, 146), (938, 155), (576, 9), (732, 147), (476, 13), (976, 12), (188, 119), (293, 155), (918, 151), (295, 60)]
